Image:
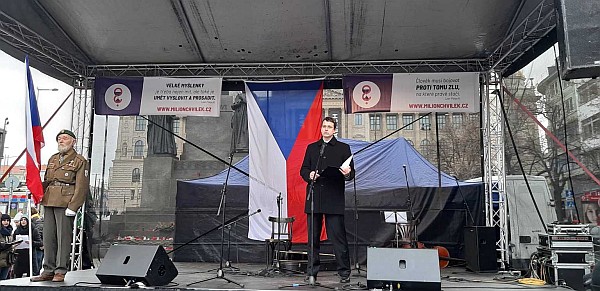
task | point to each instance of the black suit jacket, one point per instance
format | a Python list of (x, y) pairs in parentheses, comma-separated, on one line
[(328, 191)]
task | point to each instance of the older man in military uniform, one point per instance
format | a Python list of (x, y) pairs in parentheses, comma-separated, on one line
[(66, 184)]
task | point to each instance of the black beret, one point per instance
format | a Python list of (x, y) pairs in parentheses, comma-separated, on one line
[(67, 132)]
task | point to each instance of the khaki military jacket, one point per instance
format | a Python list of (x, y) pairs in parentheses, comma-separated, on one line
[(66, 184)]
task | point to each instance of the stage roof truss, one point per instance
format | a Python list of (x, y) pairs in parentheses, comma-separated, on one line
[(244, 71), (28, 41), (537, 24)]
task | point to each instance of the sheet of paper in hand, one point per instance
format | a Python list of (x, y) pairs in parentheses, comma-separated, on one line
[(24, 241)]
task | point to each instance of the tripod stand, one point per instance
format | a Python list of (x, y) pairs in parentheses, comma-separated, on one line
[(356, 264), (222, 207), (228, 262), (410, 216)]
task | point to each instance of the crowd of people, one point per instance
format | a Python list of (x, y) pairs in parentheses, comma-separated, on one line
[(15, 243)]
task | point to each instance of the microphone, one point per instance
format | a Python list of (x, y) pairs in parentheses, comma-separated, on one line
[(322, 149), (255, 212)]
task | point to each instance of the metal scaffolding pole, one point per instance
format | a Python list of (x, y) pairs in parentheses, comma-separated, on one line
[(494, 167), (82, 114)]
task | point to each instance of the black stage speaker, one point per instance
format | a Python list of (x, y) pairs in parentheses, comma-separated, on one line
[(480, 248), (147, 264), (578, 29), (403, 269)]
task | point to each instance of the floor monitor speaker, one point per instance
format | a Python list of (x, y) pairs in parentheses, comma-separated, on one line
[(403, 269), (124, 264)]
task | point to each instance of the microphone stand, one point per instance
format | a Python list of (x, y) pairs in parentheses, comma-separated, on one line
[(229, 225), (275, 267), (412, 231), (310, 196), (235, 219), (464, 202), (228, 262), (356, 264), (220, 274)]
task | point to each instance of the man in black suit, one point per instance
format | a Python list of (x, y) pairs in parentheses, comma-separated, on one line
[(328, 195)]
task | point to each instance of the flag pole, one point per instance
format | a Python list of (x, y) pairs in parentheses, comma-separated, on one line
[(24, 150), (30, 236)]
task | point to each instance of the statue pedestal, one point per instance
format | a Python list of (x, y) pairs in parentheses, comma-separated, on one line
[(160, 187)]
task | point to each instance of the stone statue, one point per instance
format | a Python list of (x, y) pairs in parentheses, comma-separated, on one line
[(160, 141), (239, 124)]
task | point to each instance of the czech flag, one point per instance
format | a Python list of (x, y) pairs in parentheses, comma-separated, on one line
[(35, 140), (283, 118)]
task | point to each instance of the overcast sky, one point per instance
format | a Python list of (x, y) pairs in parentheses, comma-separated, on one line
[(13, 94)]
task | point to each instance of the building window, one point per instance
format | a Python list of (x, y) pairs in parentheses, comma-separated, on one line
[(424, 146), (138, 149), (124, 150), (591, 126), (391, 122), (474, 117), (135, 175), (407, 119), (424, 122), (335, 116), (140, 123), (132, 194), (176, 126), (457, 118), (569, 105), (375, 122), (357, 118), (441, 120)]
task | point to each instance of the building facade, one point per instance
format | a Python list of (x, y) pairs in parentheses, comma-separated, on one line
[(579, 129), (125, 182)]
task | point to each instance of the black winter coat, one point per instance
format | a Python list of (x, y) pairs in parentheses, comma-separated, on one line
[(22, 263), (328, 191)]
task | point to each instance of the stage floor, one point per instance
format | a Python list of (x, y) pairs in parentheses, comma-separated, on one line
[(452, 279)]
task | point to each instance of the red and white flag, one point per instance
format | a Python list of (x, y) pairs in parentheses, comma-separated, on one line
[(35, 140)]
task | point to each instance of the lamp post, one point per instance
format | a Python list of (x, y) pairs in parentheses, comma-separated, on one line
[(2, 139), (426, 127)]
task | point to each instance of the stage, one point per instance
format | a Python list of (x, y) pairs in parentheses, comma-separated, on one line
[(455, 278)]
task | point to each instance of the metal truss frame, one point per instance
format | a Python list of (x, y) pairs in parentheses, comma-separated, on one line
[(245, 71), (537, 24), (494, 166), (525, 34), (77, 242), (29, 42), (81, 118)]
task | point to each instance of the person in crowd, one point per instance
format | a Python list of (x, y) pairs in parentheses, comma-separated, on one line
[(17, 218), (591, 213), (21, 265), (37, 222), (6, 248), (66, 184), (328, 196)]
